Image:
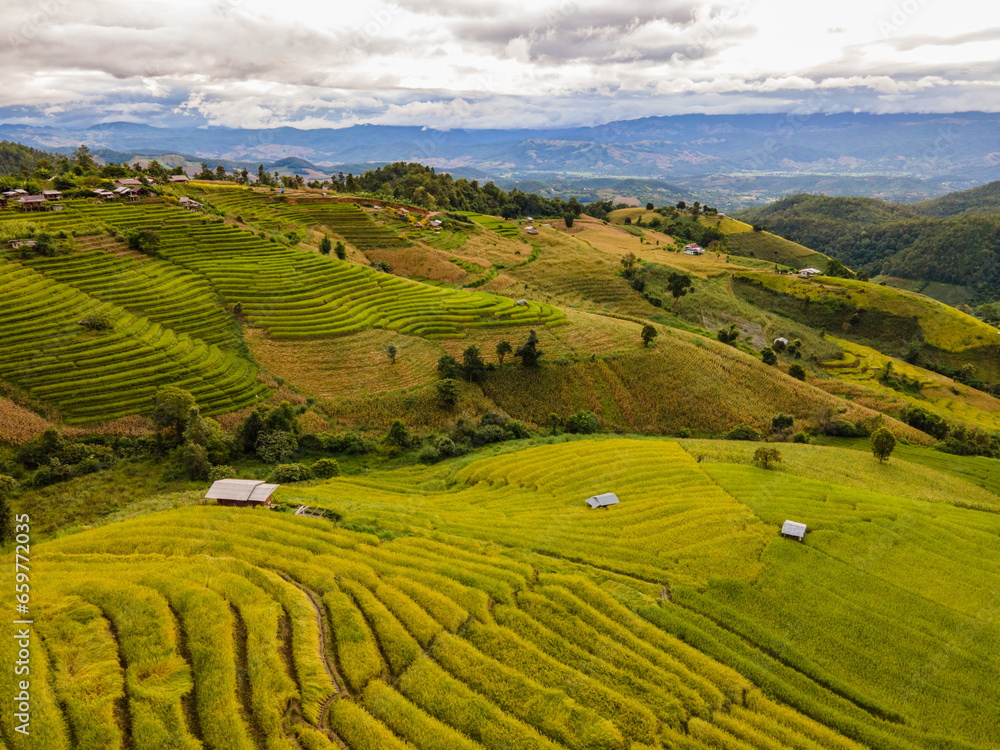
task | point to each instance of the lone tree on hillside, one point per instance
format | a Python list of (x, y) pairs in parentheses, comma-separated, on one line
[(503, 349), (649, 206), (391, 351), (678, 284), (648, 334), (529, 351), (340, 250), (768, 356), (325, 246), (797, 372), (728, 337), (883, 443), (172, 408), (629, 265), (766, 458)]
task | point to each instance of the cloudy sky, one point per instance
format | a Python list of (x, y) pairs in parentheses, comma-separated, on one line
[(488, 63)]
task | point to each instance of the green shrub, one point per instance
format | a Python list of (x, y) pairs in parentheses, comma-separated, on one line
[(429, 455), (582, 423), (797, 372), (222, 471), (743, 432), (276, 447), (491, 433), (325, 468), (517, 430), (800, 437), (445, 446), (284, 473), (781, 422)]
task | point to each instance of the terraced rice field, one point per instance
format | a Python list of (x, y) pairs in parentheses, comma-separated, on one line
[(508, 615), (163, 292), (501, 227), (91, 376)]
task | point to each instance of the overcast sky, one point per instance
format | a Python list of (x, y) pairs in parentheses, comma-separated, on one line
[(488, 63)]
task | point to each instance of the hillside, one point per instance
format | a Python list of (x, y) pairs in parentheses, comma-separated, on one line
[(942, 242), (480, 605)]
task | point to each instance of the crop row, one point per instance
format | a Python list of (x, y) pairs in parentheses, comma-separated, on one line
[(410, 634), (103, 374)]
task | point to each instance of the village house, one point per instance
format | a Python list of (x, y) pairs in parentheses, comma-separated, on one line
[(179, 178), (128, 182), (188, 203), (694, 249), (32, 203), (242, 493), (808, 273), (52, 195)]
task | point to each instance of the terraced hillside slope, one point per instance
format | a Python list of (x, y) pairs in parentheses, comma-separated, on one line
[(495, 610)]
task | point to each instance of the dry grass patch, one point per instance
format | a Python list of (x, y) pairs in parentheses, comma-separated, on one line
[(17, 424), (347, 365)]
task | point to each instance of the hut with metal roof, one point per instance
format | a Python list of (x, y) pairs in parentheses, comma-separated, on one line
[(793, 530), (603, 500), (242, 493)]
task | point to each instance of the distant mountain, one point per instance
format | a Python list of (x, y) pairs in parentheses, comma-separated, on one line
[(751, 158)]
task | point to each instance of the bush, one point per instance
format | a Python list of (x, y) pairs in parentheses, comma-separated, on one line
[(781, 422), (843, 428), (491, 433), (925, 421), (222, 471), (284, 473), (743, 432), (325, 468), (517, 430), (429, 455), (445, 446), (797, 372), (276, 447), (192, 460), (768, 356), (399, 435), (494, 418), (800, 437), (447, 391), (582, 423)]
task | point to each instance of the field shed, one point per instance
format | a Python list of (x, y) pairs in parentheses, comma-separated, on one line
[(600, 501), (808, 273), (793, 530), (242, 493), (179, 178)]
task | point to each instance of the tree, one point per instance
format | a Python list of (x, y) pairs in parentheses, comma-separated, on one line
[(399, 435), (569, 219), (473, 366), (835, 268), (649, 206), (582, 423), (325, 246), (728, 337), (767, 354), (391, 351), (797, 372), (447, 391), (145, 241), (171, 409), (529, 351), (648, 334), (84, 160), (448, 368), (883, 443), (503, 349), (766, 458), (340, 251), (8, 486), (629, 265), (678, 284), (781, 422), (220, 172)]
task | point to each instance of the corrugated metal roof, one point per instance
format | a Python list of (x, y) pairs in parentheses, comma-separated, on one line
[(793, 528), (598, 501), (262, 492), (232, 489)]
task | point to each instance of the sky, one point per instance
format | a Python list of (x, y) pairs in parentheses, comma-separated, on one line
[(487, 63)]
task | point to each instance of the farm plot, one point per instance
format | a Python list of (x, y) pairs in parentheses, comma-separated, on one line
[(161, 291), (414, 643), (100, 375)]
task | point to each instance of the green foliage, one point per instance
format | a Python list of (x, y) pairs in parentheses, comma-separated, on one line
[(399, 435), (529, 351), (100, 321), (781, 422), (472, 368), (582, 423), (391, 351), (925, 421), (447, 391), (743, 432), (325, 468), (768, 356), (222, 471), (146, 241), (648, 334), (284, 473), (277, 446), (8, 486), (325, 245), (766, 458), (503, 349), (340, 250), (678, 284), (797, 371), (171, 410), (728, 336), (883, 443)]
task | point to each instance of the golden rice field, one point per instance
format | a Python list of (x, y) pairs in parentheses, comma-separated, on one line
[(938, 394), (499, 612), (17, 424)]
